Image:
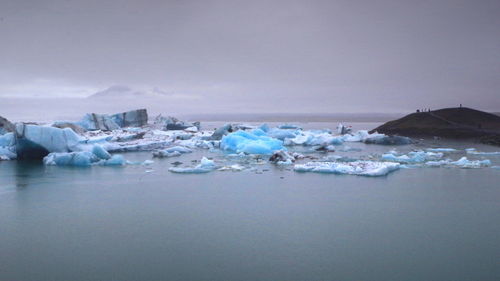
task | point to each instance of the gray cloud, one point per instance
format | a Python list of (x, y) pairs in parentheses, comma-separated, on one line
[(301, 55)]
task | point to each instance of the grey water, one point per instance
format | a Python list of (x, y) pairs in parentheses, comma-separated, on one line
[(145, 223)]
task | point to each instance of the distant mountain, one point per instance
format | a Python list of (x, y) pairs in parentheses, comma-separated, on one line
[(458, 122), (121, 91)]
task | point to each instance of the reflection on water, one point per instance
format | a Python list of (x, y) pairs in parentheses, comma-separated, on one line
[(28, 172)]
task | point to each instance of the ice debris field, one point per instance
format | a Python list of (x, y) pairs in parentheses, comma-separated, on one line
[(98, 140)]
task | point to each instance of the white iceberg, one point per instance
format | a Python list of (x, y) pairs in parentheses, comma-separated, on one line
[(360, 168)]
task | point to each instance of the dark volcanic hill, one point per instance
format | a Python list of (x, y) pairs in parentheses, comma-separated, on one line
[(458, 122)]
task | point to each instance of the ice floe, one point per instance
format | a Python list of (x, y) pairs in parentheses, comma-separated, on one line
[(171, 152), (441, 149), (206, 165), (475, 152), (360, 168), (412, 157), (460, 163)]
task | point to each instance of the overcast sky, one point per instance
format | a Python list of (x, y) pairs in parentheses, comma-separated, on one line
[(296, 56)]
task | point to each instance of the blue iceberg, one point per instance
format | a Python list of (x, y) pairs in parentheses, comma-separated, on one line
[(80, 159), (255, 142), (35, 141)]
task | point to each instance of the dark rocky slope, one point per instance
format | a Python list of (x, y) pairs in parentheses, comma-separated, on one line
[(457, 123)]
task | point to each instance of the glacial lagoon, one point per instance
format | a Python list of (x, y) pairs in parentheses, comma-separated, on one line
[(141, 221)]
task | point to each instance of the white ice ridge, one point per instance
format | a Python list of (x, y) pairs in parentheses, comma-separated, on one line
[(441, 149), (360, 168), (413, 157), (461, 163), (475, 152)]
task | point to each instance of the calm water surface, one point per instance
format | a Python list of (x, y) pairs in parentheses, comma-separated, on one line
[(105, 223)]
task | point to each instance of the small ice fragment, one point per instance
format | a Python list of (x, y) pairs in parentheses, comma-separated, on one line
[(205, 166)]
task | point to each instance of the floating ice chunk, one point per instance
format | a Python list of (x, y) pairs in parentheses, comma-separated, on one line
[(163, 154), (35, 141), (461, 163), (191, 129), (361, 168), (7, 153), (133, 118), (470, 164), (115, 160), (376, 138), (205, 166), (100, 152), (234, 168), (388, 140), (412, 157), (441, 149), (438, 163), (72, 125), (171, 152), (300, 139), (221, 131), (172, 123), (250, 142), (179, 149), (314, 138), (282, 157), (93, 121), (281, 134), (495, 167), (475, 152), (7, 139), (140, 145), (81, 159), (147, 162), (342, 130), (289, 126)]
